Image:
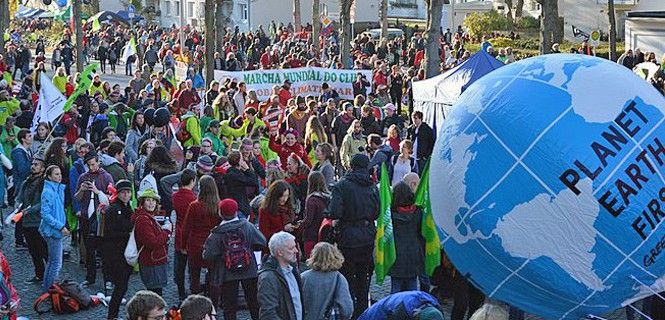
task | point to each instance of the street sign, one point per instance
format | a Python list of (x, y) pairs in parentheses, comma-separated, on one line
[(130, 11), (595, 38)]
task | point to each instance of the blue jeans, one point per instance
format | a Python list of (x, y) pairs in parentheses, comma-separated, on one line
[(54, 263), (403, 284)]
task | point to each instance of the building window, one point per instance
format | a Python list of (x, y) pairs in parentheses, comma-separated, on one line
[(167, 7), (177, 8), (323, 9), (190, 9), (244, 11)]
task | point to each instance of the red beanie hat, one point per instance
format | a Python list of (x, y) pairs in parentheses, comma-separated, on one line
[(228, 207)]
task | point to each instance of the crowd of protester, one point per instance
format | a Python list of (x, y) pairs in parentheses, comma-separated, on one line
[(251, 190)]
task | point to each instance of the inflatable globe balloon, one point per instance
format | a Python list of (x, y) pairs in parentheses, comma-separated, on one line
[(548, 186)]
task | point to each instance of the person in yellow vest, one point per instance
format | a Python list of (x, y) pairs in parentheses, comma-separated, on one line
[(60, 79), (192, 126), (96, 86)]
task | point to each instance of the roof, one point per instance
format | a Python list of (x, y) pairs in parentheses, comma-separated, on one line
[(646, 14)]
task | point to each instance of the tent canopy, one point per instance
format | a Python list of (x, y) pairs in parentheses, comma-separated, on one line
[(434, 96), (125, 15), (24, 12)]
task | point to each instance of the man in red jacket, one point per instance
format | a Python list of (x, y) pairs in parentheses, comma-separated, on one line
[(181, 201), (285, 93)]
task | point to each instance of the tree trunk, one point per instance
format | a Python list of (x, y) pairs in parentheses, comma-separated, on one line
[(383, 14), (316, 22), (557, 33), (345, 38), (209, 41), (4, 23), (432, 35), (518, 9), (509, 10), (548, 23), (613, 30), (297, 21), (78, 31)]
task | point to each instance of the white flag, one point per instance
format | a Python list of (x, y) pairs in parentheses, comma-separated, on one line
[(130, 50), (50, 105)]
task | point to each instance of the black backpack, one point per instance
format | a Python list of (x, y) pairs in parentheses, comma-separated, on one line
[(237, 256)]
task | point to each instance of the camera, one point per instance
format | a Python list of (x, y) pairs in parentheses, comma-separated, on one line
[(162, 220)]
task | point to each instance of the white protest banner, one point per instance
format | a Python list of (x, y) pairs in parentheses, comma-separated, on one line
[(304, 81), (50, 105)]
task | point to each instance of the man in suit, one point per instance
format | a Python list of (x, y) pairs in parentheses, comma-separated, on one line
[(422, 136)]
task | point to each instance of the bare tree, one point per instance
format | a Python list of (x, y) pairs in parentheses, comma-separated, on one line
[(316, 22), (613, 30), (557, 33), (94, 4), (78, 31), (297, 20), (519, 9), (383, 14), (548, 23), (209, 41), (432, 36), (345, 38)]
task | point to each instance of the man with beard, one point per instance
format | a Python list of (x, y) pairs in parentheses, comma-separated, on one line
[(30, 196)]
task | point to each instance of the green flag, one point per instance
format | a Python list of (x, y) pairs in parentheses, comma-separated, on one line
[(384, 251), (83, 85), (96, 25), (134, 202), (427, 226)]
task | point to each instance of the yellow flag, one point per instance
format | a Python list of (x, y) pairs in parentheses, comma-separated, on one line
[(13, 7)]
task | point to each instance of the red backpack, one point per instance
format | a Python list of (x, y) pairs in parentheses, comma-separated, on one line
[(182, 134), (65, 297)]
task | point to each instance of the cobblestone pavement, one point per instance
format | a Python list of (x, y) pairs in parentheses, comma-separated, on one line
[(23, 270)]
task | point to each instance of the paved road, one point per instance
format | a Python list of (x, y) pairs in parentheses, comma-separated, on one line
[(22, 269)]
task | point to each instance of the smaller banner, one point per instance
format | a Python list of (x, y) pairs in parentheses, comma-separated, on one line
[(304, 81)]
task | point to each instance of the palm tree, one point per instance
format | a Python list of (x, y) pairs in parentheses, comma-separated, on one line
[(345, 38), (316, 22), (209, 41), (432, 36), (613, 30)]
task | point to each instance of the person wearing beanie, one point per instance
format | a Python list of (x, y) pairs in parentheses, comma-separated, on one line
[(407, 305), (226, 278), (114, 237), (153, 237), (355, 203), (207, 150), (203, 166)]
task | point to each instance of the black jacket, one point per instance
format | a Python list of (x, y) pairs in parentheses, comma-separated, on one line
[(117, 224), (424, 139), (355, 203), (409, 244), (237, 182), (273, 292), (30, 196)]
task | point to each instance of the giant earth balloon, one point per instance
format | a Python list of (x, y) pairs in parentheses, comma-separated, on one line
[(548, 186)]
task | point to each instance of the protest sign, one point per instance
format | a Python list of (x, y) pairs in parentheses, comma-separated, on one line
[(304, 81)]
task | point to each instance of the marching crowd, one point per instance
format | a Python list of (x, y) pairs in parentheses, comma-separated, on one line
[(252, 190)]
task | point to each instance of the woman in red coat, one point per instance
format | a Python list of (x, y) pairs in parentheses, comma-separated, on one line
[(276, 212), (152, 241), (202, 217), (289, 146)]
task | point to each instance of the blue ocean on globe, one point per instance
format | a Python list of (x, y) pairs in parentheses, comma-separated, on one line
[(548, 186)]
